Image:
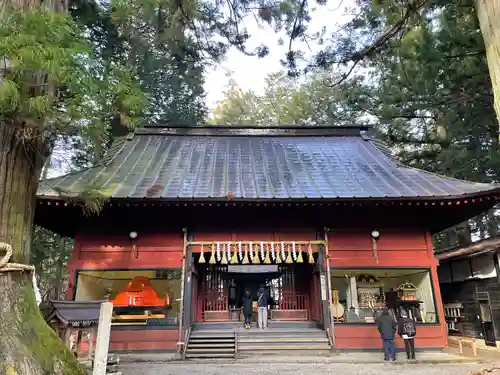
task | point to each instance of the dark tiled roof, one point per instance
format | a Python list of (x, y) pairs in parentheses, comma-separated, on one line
[(483, 246), (75, 313), (281, 166)]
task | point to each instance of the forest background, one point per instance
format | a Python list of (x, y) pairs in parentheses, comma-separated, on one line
[(427, 93)]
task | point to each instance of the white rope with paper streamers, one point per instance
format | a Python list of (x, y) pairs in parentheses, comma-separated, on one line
[(228, 249), (273, 254), (294, 252), (240, 250), (218, 251), (250, 250), (262, 250), (283, 255), (5, 266)]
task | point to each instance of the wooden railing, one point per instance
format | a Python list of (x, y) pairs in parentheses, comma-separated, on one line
[(294, 302), (213, 308)]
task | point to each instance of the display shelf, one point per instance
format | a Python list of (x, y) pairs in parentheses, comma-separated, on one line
[(452, 315)]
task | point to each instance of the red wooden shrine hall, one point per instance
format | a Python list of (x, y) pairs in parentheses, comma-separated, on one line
[(323, 217)]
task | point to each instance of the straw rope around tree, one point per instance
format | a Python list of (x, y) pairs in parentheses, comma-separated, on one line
[(5, 266)]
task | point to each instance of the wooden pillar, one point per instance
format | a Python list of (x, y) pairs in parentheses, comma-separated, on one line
[(67, 336), (438, 300), (79, 334), (103, 336), (92, 334), (188, 289), (323, 296)]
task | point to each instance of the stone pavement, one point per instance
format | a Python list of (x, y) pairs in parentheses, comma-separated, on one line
[(429, 363), (293, 368), (430, 357)]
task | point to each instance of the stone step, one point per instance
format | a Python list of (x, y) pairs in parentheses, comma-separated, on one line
[(253, 348), (215, 335), (209, 355), (209, 350), (258, 354), (254, 330), (211, 340), (192, 345), (271, 324), (281, 339)]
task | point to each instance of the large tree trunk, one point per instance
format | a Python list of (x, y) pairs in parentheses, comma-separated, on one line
[(488, 13), (28, 346)]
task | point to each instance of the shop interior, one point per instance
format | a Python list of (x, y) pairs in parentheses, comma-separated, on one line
[(358, 295), (139, 296)]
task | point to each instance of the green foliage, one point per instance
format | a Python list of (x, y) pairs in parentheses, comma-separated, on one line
[(430, 96), (51, 82), (148, 36), (50, 253), (288, 101)]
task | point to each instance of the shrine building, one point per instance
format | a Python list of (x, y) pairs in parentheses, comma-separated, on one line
[(324, 217)]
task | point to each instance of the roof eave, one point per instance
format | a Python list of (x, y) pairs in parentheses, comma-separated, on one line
[(493, 194)]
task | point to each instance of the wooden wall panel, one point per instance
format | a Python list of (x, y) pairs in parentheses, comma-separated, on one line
[(348, 336), (149, 250), (394, 249), (154, 340), (254, 235)]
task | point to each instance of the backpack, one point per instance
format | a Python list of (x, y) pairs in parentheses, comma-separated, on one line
[(409, 328)]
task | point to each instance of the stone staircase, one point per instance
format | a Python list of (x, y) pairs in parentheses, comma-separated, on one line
[(229, 340), (211, 344)]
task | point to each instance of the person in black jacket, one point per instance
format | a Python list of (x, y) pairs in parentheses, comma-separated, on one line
[(387, 327), (247, 308), (407, 329)]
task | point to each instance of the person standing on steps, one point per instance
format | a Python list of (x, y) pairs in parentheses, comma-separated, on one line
[(247, 308), (407, 329), (262, 306), (387, 327)]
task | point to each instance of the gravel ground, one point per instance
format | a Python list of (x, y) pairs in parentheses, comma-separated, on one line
[(180, 368)]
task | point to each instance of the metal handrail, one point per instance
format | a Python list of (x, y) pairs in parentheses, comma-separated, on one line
[(235, 344), (186, 341)]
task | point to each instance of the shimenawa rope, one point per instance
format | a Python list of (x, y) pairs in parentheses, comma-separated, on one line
[(5, 266)]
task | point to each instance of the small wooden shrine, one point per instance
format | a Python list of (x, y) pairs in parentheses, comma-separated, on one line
[(76, 323)]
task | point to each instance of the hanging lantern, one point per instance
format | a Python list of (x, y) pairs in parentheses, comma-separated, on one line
[(202, 255), (299, 258), (255, 257), (310, 254), (267, 259), (212, 257), (223, 260), (289, 259), (234, 258), (245, 258)]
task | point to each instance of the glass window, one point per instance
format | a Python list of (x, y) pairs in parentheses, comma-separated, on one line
[(138, 295), (359, 295)]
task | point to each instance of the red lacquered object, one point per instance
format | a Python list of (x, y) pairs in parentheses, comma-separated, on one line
[(139, 292)]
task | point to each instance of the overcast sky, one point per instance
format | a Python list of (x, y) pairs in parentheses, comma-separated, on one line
[(250, 72)]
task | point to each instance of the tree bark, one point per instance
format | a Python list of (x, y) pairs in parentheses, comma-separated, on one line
[(28, 346), (488, 13)]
